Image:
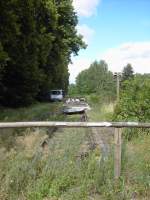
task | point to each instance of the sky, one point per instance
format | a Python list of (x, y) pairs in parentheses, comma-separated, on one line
[(117, 31)]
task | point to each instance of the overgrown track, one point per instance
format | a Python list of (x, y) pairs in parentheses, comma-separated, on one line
[(96, 138), (100, 138)]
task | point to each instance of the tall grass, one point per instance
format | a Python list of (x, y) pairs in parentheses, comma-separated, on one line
[(60, 173), (27, 172), (39, 111)]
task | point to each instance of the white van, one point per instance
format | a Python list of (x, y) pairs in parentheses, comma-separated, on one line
[(56, 95)]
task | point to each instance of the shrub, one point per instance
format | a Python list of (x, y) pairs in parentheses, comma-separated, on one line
[(134, 103), (135, 100)]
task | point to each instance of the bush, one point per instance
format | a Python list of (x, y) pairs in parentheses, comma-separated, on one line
[(134, 104), (134, 100), (95, 99)]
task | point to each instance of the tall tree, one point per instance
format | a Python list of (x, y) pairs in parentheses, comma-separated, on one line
[(127, 72), (96, 79), (37, 38), (21, 75)]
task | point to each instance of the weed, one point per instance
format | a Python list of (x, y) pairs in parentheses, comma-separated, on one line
[(27, 173)]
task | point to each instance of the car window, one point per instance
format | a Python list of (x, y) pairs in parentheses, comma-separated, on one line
[(56, 92)]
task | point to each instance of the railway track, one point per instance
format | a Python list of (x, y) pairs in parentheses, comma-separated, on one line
[(95, 138)]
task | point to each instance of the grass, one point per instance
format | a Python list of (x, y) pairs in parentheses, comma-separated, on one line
[(27, 172), (137, 170), (39, 111), (58, 174), (101, 112)]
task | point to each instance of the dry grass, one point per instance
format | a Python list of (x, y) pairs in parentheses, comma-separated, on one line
[(28, 173)]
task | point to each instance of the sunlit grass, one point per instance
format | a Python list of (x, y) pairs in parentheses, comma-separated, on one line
[(61, 173), (101, 112), (39, 111)]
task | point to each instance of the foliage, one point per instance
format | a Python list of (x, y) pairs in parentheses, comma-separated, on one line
[(37, 39), (127, 72), (95, 99), (97, 79), (72, 90), (134, 100)]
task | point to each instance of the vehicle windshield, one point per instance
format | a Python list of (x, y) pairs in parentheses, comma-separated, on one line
[(56, 92)]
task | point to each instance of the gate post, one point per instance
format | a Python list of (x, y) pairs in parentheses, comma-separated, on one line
[(117, 153)]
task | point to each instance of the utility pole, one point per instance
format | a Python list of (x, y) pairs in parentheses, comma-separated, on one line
[(117, 75), (118, 87)]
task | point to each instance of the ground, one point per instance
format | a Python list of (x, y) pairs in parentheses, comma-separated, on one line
[(66, 168)]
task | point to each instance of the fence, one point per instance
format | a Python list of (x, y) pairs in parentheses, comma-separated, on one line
[(117, 134)]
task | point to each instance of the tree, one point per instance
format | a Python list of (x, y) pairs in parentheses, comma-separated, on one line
[(72, 90), (134, 100), (65, 43), (20, 79), (127, 72), (96, 79), (37, 38)]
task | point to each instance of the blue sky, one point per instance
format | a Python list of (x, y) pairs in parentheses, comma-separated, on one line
[(115, 30)]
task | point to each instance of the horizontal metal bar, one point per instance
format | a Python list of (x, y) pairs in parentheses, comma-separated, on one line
[(73, 124)]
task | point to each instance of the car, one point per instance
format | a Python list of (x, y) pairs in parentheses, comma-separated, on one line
[(56, 95)]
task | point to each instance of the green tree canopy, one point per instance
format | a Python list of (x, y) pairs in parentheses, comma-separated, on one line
[(37, 38), (135, 100), (127, 72), (97, 79)]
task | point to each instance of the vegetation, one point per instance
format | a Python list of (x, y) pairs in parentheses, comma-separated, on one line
[(59, 173), (97, 79), (39, 111), (134, 104), (72, 90), (134, 100), (28, 172), (37, 39), (127, 72)]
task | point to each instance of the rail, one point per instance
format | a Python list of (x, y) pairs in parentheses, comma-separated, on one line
[(74, 124)]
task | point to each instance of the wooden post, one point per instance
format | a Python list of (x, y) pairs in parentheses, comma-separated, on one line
[(117, 153)]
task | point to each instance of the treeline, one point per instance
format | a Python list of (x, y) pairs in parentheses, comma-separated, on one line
[(37, 38), (100, 83), (97, 79)]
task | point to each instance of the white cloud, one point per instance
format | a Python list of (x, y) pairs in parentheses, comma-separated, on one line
[(137, 53), (86, 32), (77, 66), (85, 8)]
